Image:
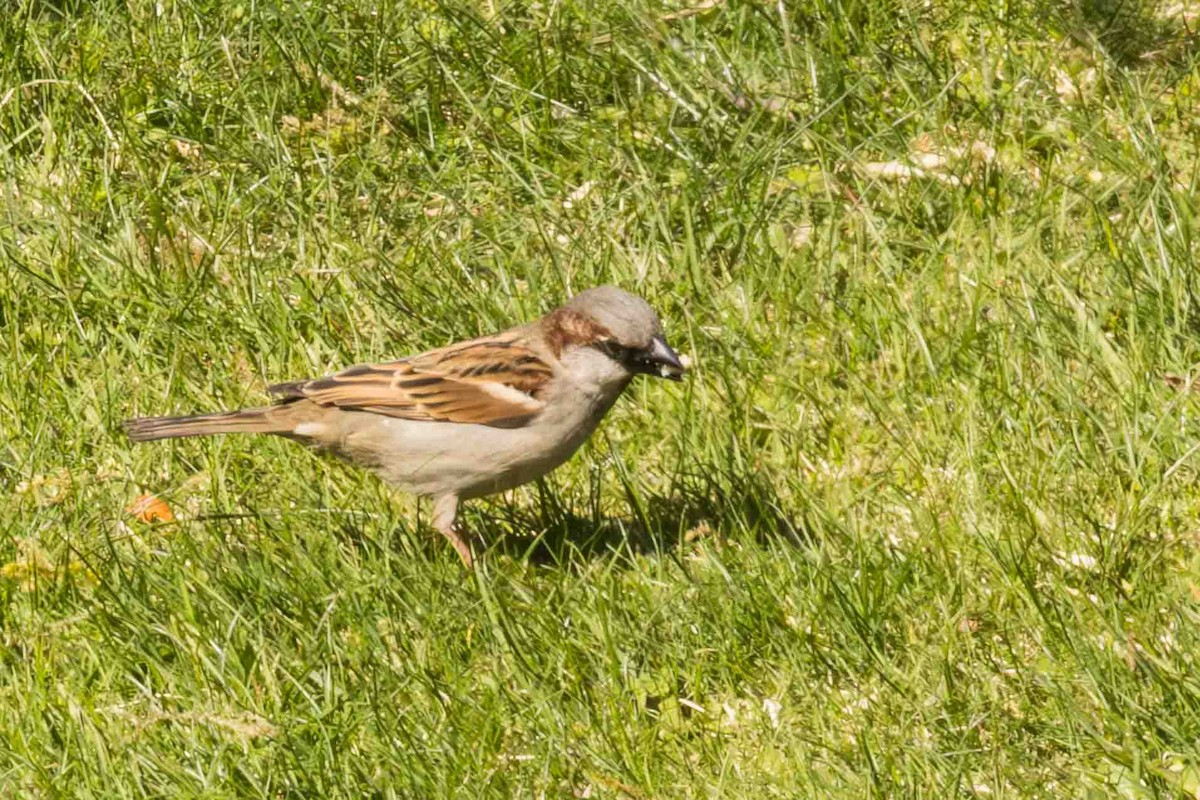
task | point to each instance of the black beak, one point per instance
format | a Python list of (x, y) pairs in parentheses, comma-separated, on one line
[(659, 359)]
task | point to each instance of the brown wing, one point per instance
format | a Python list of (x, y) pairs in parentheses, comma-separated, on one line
[(494, 381)]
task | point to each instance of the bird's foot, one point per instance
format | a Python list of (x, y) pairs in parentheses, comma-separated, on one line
[(445, 513), (461, 545)]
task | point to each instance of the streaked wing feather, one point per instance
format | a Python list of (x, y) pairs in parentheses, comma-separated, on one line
[(492, 381)]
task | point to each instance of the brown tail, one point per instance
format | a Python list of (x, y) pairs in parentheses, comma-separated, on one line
[(247, 420)]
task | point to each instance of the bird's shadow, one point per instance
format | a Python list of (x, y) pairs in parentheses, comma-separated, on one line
[(550, 532)]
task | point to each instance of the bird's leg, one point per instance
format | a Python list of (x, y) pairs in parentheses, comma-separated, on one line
[(445, 510)]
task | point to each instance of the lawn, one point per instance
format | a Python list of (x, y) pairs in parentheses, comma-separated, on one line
[(922, 522)]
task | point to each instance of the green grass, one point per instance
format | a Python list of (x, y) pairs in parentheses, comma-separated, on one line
[(923, 522)]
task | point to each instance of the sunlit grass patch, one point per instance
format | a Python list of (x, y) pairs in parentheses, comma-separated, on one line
[(921, 522)]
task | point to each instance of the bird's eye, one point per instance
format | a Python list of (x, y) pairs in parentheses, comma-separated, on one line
[(613, 350)]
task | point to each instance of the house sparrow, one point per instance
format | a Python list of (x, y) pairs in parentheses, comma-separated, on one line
[(469, 419)]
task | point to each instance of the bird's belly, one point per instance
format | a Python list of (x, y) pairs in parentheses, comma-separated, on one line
[(433, 458)]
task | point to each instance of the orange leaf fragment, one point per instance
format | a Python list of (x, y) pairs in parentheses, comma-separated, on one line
[(150, 508)]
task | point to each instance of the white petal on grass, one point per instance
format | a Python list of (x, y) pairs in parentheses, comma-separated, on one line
[(901, 172), (1078, 560), (1186, 12), (1071, 88), (772, 708), (982, 152), (891, 170), (1064, 86), (579, 194), (1083, 561), (929, 159), (801, 236)]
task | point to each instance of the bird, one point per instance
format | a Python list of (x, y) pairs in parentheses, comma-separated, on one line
[(469, 419)]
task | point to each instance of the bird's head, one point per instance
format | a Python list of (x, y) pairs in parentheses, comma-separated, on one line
[(623, 327)]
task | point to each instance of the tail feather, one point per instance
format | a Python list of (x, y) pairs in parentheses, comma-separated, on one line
[(247, 420)]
